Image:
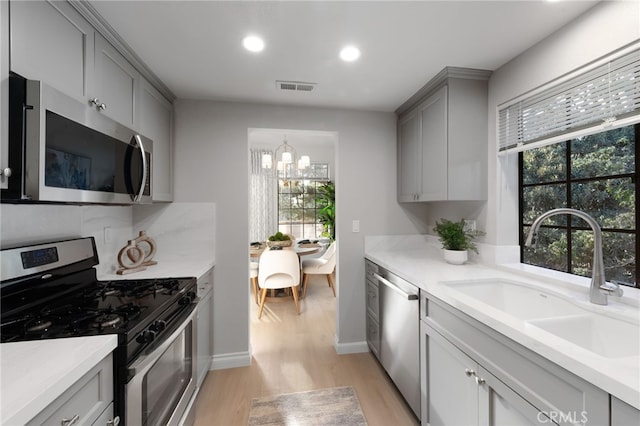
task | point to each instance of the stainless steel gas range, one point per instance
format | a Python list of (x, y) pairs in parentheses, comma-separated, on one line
[(50, 291)]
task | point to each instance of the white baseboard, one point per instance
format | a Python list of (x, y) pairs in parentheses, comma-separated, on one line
[(351, 348), (232, 360)]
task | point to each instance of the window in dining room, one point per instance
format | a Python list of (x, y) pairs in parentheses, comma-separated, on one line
[(298, 207)]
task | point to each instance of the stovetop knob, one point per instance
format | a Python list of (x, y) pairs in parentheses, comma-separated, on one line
[(146, 337), (158, 326), (187, 298)]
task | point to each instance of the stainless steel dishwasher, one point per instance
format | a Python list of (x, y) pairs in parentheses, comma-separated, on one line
[(399, 334)]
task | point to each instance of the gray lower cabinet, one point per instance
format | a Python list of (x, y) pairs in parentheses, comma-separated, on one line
[(106, 418), (623, 414), (461, 392), (204, 318), (88, 401), (471, 374)]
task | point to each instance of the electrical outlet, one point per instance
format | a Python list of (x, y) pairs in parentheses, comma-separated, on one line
[(470, 224)]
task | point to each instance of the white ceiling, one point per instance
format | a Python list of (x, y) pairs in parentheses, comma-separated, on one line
[(195, 47)]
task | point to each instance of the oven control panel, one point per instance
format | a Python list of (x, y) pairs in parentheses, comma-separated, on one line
[(39, 257)]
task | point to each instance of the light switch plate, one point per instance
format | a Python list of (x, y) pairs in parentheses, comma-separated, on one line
[(355, 227)]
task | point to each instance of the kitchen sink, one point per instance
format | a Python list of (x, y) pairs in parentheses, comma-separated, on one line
[(560, 316), (516, 299), (603, 335)]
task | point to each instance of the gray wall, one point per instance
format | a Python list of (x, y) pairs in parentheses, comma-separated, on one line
[(211, 164), (601, 30)]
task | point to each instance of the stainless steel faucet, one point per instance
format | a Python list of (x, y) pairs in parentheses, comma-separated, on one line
[(599, 289)]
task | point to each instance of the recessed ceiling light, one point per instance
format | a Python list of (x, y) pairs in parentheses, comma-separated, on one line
[(349, 53), (253, 43)]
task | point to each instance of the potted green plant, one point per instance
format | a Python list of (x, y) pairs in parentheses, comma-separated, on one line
[(279, 239), (456, 240)]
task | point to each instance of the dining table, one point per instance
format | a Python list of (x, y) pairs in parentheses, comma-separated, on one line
[(300, 249)]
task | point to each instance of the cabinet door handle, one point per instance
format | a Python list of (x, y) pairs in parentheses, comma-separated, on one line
[(469, 372), (96, 103), (479, 380), (68, 422), (114, 422), (6, 172)]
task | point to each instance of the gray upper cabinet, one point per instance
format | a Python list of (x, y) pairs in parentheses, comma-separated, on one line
[(422, 150), (65, 45), (442, 139), (115, 85), (4, 94), (52, 42), (433, 140), (409, 168), (156, 123)]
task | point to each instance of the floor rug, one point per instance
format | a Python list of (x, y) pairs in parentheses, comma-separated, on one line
[(333, 406)]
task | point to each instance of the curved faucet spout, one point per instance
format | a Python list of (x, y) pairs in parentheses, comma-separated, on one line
[(599, 288)]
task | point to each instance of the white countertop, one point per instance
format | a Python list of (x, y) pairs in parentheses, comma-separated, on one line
[(174, 266), (35, 373), (422, 265)]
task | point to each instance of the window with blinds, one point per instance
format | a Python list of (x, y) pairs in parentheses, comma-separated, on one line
[(605, 96)]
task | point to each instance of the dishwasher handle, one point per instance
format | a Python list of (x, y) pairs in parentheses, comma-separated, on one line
[(392, 286)]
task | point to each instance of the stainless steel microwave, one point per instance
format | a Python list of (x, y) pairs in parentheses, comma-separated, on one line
[(65, 151)]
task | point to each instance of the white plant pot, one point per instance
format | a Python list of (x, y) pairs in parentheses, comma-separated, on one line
[(455, 257)]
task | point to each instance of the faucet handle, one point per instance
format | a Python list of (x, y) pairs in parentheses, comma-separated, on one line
[(612, 289)]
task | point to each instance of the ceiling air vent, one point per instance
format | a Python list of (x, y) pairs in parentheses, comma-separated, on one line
[(295, 86)]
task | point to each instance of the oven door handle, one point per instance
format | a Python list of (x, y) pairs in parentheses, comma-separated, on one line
[(146, 361)]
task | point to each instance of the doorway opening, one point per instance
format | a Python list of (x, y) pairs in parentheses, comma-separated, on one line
[(294, 205)]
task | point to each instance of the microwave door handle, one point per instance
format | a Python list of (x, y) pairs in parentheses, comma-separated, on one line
[(138, 197), (23, 153)]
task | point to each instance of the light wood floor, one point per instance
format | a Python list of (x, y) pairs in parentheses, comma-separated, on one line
[(296, 353)]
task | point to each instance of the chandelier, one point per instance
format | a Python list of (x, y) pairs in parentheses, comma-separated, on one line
[(287, 163)]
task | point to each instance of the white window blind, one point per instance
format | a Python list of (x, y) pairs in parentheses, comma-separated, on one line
[(607, 95)]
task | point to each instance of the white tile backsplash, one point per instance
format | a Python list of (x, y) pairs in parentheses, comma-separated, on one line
[(118, 219), (179, 229), (30, 223)]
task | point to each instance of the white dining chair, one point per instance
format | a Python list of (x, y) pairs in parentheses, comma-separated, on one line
[(323, 265), (278, 269), (253, 276)]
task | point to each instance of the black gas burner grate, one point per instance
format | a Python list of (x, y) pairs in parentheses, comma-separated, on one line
[(139, 289)]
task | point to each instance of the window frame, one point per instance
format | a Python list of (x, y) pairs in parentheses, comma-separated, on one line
[(568, 180), (311, 175)]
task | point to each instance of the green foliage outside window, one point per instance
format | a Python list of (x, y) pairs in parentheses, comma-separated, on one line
[(297, 209), (326, 200), (595, 174)]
